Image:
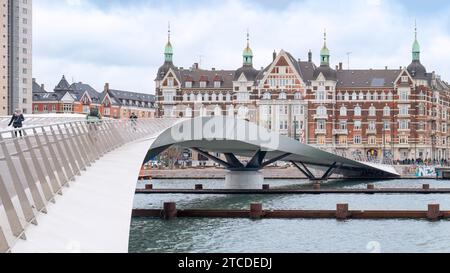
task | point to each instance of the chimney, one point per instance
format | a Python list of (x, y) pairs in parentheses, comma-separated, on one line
[(310, 56), (42, 86), (213, 69), (34, 79), (274, 55), (195, 66), (337, 67), (106, 87), (340, 66), (386, 68)]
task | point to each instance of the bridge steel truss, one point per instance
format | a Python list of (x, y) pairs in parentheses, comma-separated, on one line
[(35, 168)]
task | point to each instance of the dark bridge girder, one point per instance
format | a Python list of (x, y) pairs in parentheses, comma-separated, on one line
[(232, 163), (302, 167)]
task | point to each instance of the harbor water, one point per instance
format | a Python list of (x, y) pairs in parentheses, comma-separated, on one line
[(291, 236)]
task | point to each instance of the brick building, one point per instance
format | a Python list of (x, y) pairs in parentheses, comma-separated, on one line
[(80, 98), (384, 114)]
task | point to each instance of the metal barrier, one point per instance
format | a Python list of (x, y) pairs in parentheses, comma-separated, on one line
[(36, 167)]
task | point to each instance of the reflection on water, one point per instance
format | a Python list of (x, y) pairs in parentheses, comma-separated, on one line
[(242, 235)]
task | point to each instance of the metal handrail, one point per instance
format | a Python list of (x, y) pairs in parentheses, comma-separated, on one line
[(47, 158)]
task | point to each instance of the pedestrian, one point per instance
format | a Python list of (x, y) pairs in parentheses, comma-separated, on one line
[(133, 119), (17, 121)]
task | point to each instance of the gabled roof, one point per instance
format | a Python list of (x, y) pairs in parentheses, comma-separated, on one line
[(37, 88), (78, 90), (47, 96)]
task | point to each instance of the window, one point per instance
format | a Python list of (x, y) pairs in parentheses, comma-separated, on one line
[(321, 140), (403, 110), (403, 140), (387, 125), (202, 84), (321, 125), (358, 111), (282, 96), (283, 109), (404, 79), (283, 125), (387, 111), (298, 96), (403, 95), (217, 84), (339, 96), (321, 95), (343, 125), (343, 111), (361, 96), (267, 96), (322, 111), (444, 128), (192, 97), (372, 111), (403, 124), (421, 109), (354, 96), (170, 82), (188, 84), (372, 126), (372, 140), (185, 97), (382, 96), (228, 97), (346, 97), (357, 139), (357, 125)]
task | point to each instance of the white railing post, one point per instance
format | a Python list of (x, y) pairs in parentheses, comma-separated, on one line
[(18, 185), (11, 213), (4, 247)]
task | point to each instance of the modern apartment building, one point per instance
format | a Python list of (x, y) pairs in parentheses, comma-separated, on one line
[(16, 56), (3, 57)]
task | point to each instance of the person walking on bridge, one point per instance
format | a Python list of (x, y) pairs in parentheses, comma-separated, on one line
[(17, 121), (133, 119)]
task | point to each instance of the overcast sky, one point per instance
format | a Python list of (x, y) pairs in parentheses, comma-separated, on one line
[(122, 41)]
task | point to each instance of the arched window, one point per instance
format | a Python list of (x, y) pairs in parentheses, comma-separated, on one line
[(220, 97), (387, 111), (217, 111), (213, 97), (267, 96), (282, 96), (390, 96), (361, 96), (339, 96), (372, 111), (228, 98), (354, 96), (205, 97), (298, 96), (189, 112), (383, 96), (421, 109), (185, 97), (242, 112), (343, 111), (346, 97), (192, 97), (321, 111), (358, 111)]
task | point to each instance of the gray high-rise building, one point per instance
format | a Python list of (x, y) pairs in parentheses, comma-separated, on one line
[(16, 56)]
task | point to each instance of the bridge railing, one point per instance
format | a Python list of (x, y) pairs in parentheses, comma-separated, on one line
[(37, 166)]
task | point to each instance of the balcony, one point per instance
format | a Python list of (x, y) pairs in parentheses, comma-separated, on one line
[(321, 131), (320, 116), (340, 132)]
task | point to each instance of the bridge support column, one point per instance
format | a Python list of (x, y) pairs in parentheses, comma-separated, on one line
[(244, 180)]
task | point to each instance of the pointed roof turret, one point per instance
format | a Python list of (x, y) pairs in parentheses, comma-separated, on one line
[(248, 53), (168, 51), (63, 85), (325, 52)]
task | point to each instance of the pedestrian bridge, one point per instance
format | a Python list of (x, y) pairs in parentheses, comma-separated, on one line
[(69, 186)]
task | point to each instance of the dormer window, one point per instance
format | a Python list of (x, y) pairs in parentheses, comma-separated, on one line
[(202, 84), (217, 84), (188, 84), (282, 96), (298, 96), (170, 82), (267, 96), (404, 79)]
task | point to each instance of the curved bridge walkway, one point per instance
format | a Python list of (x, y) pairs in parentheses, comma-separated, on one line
[(60, 181), (69, 187)]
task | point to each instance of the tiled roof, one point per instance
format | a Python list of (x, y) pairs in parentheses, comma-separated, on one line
[(48, 96), (118, 96), (196, 75), (37, 88), (63, 85), (367, 78)]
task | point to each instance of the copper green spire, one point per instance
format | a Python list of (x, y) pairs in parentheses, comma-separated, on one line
[(248, 53), (168, 52), (416, 46), (325, 53)]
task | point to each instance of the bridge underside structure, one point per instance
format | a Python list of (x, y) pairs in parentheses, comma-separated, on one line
[(224, 141)]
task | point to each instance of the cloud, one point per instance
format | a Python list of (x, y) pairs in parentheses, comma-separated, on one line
[(123, 42)]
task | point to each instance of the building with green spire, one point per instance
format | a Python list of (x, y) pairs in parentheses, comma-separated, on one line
[(248, 53), (416, 69), (325, 52)]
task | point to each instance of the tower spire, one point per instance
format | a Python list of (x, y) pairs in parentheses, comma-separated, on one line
[(325, 53), (248, 53), (168, 52), (416, 45)]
